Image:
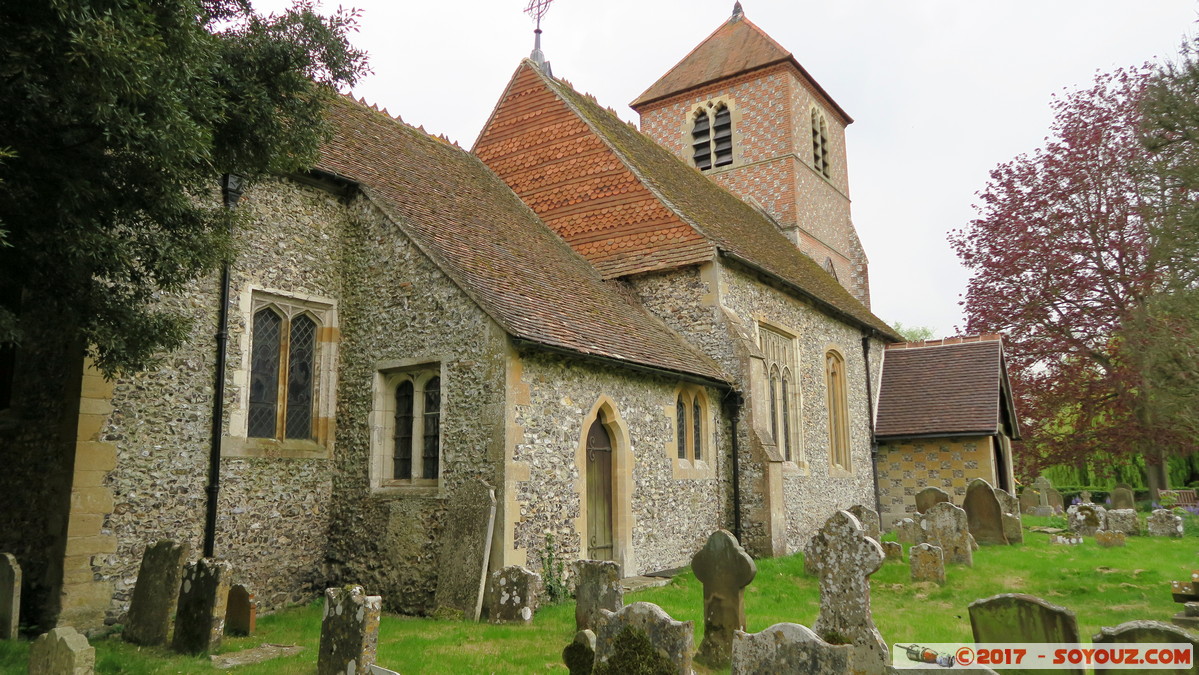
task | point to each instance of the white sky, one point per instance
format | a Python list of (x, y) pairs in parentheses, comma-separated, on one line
[(941, 91)]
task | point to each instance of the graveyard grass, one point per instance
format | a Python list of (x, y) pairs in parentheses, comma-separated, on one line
[(1103, 587)]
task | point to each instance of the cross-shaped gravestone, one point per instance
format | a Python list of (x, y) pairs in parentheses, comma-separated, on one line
[(845, 559), (725, 569)]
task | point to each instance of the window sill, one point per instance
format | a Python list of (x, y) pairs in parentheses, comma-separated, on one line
[(426, 488), (272, 448), (837, 471), (685, 469), (798, 468)]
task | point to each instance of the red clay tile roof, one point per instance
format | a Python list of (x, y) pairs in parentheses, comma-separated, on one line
[(492, 246), (736, 229), (944, 390), (736, 47)]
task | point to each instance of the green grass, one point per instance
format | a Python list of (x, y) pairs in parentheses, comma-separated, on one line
[(1103, 587)]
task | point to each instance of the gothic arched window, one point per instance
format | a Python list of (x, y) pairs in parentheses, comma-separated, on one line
[(838, 412), (820, 143), (712, 136)]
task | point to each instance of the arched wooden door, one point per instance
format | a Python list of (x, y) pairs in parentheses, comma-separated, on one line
[(599, 492)]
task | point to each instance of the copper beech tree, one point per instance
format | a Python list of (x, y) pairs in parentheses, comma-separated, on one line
[(1062, 255)]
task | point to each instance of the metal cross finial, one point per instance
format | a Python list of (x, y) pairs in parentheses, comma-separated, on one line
[(537, 9)]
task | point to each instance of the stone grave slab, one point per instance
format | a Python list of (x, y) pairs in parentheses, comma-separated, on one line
[(156, 593), (946, 526), (1124, 520), (349, 631), (1163, 523), (513, 595), (893, 550), (62, 651), (579, 655), (241, 613), (261, 654), (598, 588), (926, 498), (787, 648), (927, 563), (846, 558), (642, 638), (868, 519), (203, 596), (984, 515), (1122, 498), (465, 550), (1017, 617), (1142, 632), (10, 596), (725, 569), (1109, 539)]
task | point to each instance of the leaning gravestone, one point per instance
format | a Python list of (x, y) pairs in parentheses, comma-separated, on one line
[(241, 614), (1147, 632), (926, 498), (868, 519), (1016, 617), (203, 596), (1007, 501), (62, 651), (10, 596), (597, 588), (641, 638), (725, 569), (465, 550), (580, 654), (846, 558), (945, 525), (984, 515), (155, 593), (349, 631), (1013, 526), (787, 648), (1122, 498), (513, 595), (893, 550), (1086, 519), (1163, 523), (927, 563), (1123, 520)]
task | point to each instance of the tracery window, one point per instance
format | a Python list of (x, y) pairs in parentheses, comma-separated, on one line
[(820, 144), (838, 413), (283, 358), (782, 366), (712, 136), (690, 424)]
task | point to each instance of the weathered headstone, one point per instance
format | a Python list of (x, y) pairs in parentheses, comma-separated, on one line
[(62, 651), (1007, 501), (893, 550), (513, 595), (1163, 523), (349, 631), (1142, 632), (787, 648), (846, 559), (598, 588), (644, 639), (1122, 498), (1085, 497), (465, 550), (579, 655), (1109, 539), (945, 525), (1051, 499), (926, 498), (1086, 519), (1013, 525), (984, 515), (725, 569), (908, 531), (241, 614), (10, 596), (868, 519), (1124, 520), (927, 563), (203, 595), (155, 593), (1016, 617), (1030, 498)]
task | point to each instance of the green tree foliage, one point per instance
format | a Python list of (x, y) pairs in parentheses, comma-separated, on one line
[(913, 333), (120, 116)]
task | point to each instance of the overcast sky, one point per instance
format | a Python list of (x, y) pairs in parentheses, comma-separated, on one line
[(941, 91)]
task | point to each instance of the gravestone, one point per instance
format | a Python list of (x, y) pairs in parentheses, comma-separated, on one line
[(846, 558), (155, 593), (1051, 499), (1122, 498), (926, 498), (579, 655), (1163, 523), (1086, 519), (1007, 501), (349, 631), (908, 531), (1016, 617), (1123, 520), (10, 596), (868, 519), (984, 515), (465, 550), (241, 615), (598, 588), (642, 638), (787, 648), (945, 525), (927, 563), (1143, 632), (893, 550), (1030, 498), (1084, 497), (725, 569), (513, 595), (1109, 539), (1013, 525), (203, 596), (62, 651)]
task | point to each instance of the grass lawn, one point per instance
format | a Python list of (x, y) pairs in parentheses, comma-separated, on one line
[(1103, 587)]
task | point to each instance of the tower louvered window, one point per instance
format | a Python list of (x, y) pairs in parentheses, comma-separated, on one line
[(701, 140), (712, 136), (722, 137), (820, 143)]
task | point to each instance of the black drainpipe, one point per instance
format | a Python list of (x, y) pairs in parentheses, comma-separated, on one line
[(733, 408), (878, 501), (231, 187)]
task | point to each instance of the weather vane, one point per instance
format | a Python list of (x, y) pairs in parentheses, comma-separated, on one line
[(537, 9)]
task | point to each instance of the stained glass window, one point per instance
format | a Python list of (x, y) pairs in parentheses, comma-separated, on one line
[(402, 469), (264, 374), (696, 436), (301, 358), (786, 396), (432, 435), (680, 411)]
